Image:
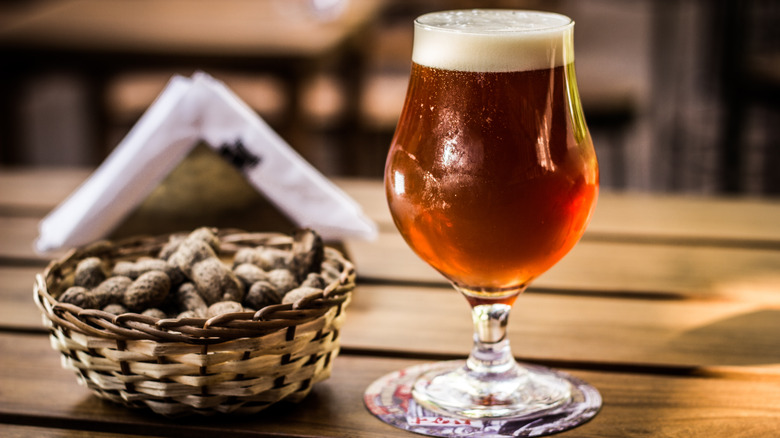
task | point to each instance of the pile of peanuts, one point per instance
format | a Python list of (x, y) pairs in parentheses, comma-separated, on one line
[(188, 279)]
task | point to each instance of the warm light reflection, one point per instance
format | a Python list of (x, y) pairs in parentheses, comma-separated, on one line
[(398, 183), (449, 155), (757, 289), (543, 148), (543, 154)]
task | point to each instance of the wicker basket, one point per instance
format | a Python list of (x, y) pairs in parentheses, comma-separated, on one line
[(237, 362)]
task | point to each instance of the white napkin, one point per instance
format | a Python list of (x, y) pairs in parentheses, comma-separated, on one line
[(188, 111)]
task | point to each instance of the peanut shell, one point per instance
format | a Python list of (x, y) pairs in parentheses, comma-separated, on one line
[(215, 281), (187, 297), (283, 280), (223, 307), (80, 296), (154, 313), (116, 309), (149, 290), (266, 258), (249, 274), (89, 273), (189, 253), (112, 290), (314, 280), (299, 293), (261, 294), (308, 252)]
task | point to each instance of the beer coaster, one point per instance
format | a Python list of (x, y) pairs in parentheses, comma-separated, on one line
[(390, 399)]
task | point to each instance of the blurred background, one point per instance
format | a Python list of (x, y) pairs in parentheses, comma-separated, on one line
[(680, 96)]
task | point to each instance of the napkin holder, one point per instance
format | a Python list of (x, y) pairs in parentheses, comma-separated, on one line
[(199, 112)]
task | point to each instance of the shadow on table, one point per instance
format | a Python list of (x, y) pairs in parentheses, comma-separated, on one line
[(751, 338)]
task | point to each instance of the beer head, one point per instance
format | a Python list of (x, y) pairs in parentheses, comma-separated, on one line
[(493, 40)]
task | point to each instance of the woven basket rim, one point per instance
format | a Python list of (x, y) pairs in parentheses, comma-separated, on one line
[(220, 328)]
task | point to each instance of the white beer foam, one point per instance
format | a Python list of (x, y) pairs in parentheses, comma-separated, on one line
[(493, 40)]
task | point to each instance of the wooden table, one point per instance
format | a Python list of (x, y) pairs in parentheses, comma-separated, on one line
[(670, 306)]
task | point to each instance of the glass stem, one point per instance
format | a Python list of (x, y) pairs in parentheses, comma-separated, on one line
[(491, 353)]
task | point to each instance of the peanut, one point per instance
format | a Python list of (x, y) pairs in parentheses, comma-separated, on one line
[(308, 252), (116, 309), (223, 307), (330, 271), (187, 297), (154, 313), (89, 273), (198, 245), (249, 274), (283, 280), (148, 290), (261, 294), (314, 280), (192, 314), (170, 247), (215, 281), (189, 253), (125, 268), (146, 264), (205, 234), (299, 293), (266, 258), (80, 296), (112, 290), (244, 255)]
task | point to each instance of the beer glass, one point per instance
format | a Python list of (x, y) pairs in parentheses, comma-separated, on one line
[(492, 178)]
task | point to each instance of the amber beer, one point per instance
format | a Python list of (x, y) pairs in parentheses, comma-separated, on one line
[(491, 176)]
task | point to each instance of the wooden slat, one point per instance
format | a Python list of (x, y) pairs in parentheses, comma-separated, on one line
[(634, 404), (641, 215), (596, 332), (17, 236), (602, 267), (37, 388), (593, 331), (37, 190), (688, 218), (630, 215), (16, 431), (677, 321), (608, 267), (650, 406), (17, 308)]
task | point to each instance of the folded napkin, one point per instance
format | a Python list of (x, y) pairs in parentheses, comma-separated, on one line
[(188, 112)]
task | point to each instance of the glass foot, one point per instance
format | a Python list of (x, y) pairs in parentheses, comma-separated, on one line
[(419, 399), (456, 390)]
